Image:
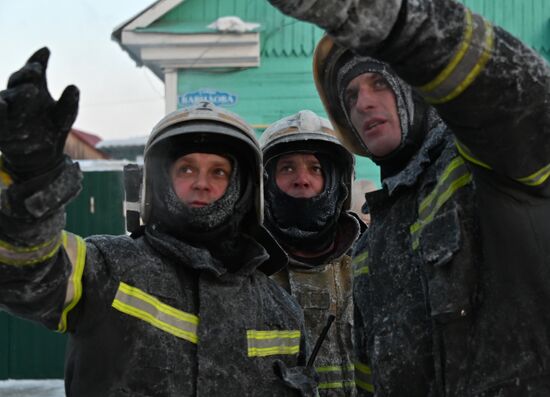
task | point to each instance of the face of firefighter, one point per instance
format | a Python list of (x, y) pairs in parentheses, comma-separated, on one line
[(200, 179), (299, 175), (372, 109)]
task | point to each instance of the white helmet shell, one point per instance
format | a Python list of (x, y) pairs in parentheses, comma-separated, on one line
[(306, 130)]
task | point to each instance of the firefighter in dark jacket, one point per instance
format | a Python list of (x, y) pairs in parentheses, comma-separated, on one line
[(454, 275), (183, 308), (307, 197)]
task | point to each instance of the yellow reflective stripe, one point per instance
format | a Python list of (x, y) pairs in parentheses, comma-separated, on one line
[(457, 162), (468, 62), (361, 271), (76, 251), (266, 335), (356, 263), (24, 256), (467, 154), (476, 70), (444, 75), (364, 385), (335, 368), (361, 257), (272, 351), (363, 375), (5, 178), (336, 385), (460, 182), (360, 367), (34, 248), (334, 376), (136, 303), (444, 191), (537, 178), (268, 343)]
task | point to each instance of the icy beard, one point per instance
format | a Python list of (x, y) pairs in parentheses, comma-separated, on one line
[(203, 224), (305, 224)]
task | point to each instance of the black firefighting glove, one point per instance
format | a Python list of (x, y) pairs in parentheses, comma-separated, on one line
[(33, 126), (304, 379), (344, 20)]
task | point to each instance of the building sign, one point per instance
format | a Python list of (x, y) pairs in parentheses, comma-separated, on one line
[(218, 98)]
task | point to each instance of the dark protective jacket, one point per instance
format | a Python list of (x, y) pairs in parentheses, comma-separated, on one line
[(453, 276), (150, 316), (322, 290)]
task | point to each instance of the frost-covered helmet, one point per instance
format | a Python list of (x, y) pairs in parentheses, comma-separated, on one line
[(306, 223), (203, 127), (306, 131)]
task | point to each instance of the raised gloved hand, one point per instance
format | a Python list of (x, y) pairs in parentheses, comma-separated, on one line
[(327, 14), (33, 126), (352, 23)]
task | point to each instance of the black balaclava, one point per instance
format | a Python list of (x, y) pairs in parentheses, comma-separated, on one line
[(411, 109), (215, 226), (305, 224)]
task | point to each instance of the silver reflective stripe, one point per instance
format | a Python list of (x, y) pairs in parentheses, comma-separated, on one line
[(23, 256), (455, 176), (136, 303), (363, 377), (269, 343), (470, 59)]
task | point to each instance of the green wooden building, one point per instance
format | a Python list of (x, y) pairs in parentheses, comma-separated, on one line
[(264, 73)]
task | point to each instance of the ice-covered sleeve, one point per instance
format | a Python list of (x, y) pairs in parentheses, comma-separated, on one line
[(41, 265), (488, 86)]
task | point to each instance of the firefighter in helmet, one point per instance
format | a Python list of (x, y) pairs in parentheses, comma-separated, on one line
[(184, 306), (308, 178)]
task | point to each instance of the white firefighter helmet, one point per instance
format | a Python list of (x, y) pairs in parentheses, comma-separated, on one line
[(205, 124), (306, 131)]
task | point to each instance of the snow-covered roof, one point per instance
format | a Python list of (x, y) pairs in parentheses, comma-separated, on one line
[(135, 141), (102, 165)]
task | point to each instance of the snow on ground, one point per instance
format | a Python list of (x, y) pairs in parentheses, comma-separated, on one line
[(32, 388)]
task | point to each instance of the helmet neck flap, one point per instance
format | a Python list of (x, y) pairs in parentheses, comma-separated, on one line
[(305, 224), (215, 226), (334, 68), (410, 109)]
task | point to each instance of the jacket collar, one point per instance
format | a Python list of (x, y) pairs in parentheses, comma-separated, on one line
[(199, 258), (430, 149), (349, 228)]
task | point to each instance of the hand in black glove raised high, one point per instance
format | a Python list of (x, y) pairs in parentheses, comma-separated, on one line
[(33, 126), (349, 22), (327, 14)]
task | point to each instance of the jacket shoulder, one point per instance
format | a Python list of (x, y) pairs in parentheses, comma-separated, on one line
[(119, 253)]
